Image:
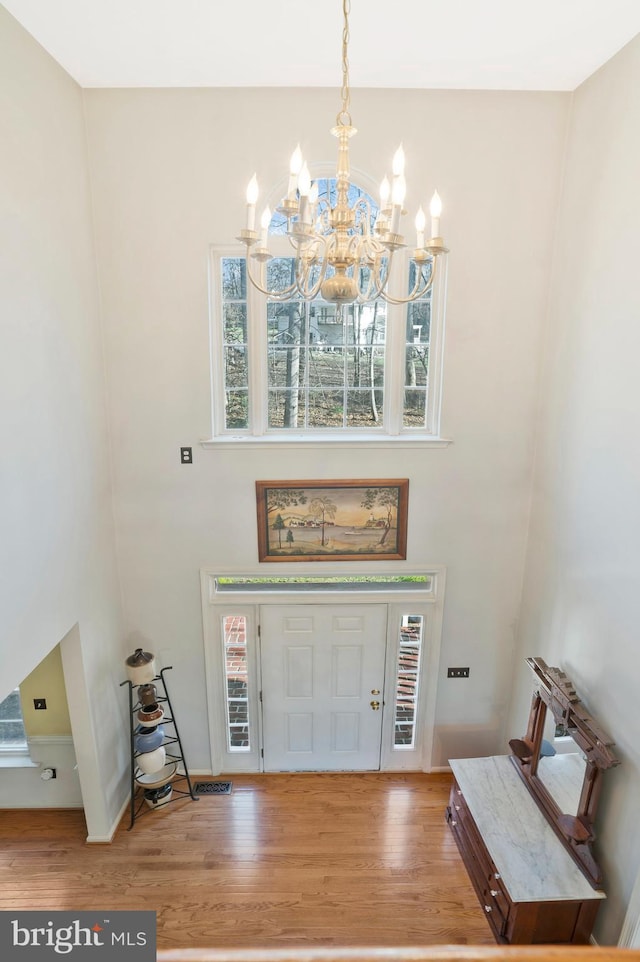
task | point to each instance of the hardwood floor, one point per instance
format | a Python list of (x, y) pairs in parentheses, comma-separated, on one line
[(283, 861)]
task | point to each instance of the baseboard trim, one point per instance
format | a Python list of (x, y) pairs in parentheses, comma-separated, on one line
[(107, 839)]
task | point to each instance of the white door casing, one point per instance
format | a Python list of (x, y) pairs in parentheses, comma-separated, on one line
[(219, 602), (323, 670)]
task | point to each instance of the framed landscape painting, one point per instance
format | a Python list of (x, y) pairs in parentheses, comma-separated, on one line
[(363, 520)]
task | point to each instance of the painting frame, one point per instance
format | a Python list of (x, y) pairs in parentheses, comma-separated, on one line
[(326, 520)]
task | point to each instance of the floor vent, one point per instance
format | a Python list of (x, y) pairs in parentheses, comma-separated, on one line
[(213, 788)]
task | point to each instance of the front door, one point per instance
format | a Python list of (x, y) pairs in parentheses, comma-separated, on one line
[(322, 686)]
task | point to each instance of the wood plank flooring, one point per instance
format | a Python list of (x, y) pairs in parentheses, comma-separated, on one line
[(283, 861)]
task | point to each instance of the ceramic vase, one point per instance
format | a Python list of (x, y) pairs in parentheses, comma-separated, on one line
[(140, 667)]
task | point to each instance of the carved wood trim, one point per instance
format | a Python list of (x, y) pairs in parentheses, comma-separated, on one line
[(556, 692)]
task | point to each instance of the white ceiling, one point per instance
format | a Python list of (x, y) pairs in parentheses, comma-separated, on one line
[(482, 44)]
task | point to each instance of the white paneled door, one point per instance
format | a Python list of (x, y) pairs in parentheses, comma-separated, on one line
[(322, 686)]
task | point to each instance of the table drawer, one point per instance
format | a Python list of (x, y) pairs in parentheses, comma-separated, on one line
[(482, 872)]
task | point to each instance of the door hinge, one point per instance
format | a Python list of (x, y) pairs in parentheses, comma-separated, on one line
[(259, 632), (260, 696), (262, 753)]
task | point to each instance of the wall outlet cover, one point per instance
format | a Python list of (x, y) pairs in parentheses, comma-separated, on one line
[(457, 672)]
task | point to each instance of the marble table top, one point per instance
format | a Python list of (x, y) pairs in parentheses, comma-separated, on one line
[(532, 861)]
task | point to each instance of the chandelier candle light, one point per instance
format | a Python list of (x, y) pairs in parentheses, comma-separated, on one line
[(340, 253)]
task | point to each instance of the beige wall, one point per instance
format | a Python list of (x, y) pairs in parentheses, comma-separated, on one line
[(46, 681), (581, 607), (169, 171), (58, 556)]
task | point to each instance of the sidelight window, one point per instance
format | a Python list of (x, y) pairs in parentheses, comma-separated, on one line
[(409, 656), (237, 683)]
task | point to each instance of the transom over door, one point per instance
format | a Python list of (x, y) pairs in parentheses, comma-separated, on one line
[(322, 686)]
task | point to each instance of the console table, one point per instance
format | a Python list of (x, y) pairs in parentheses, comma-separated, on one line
[(529, 886)]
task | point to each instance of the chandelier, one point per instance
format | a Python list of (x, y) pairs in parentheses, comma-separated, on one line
[(344, 252)]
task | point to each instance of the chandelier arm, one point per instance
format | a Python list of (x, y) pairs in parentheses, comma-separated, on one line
[(363, 207), (308, 293), (373, 249), (364, 297), (416, 293), (324, 212), (369, 255), (377, 280), (374, 288), (274, 295)]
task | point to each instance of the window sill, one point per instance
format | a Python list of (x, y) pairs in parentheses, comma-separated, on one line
[(325, 441), (17, 761)]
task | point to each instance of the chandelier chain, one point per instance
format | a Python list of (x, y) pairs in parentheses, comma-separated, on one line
[(344, 247), (345, 115)]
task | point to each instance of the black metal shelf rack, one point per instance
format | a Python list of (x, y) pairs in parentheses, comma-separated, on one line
[(173, 747)]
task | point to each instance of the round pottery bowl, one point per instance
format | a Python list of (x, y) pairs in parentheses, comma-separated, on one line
[(148, 739), (150, 762), (140, 667), (147, 695), (157, 779), (150, 716), (155, 797)]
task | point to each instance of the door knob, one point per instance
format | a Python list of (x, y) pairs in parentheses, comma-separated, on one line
[(375, 691), (375, 705)]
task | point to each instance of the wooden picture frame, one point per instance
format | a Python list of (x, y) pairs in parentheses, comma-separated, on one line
[(354, 520)]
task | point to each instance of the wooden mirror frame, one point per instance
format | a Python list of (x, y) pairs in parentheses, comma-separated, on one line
[(556, 692)]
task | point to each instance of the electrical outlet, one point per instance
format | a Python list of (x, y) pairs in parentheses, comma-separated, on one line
[(186, 456), (457, 672), (40, 704)]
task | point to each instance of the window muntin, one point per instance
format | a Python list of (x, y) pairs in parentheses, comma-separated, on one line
[(325, 365), (416, 367), (233, 286), (292, 368), (13, 738)]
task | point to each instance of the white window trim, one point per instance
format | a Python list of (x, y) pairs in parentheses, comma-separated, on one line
[(17, 756), (17, 761), (222, 758), (391, 433)]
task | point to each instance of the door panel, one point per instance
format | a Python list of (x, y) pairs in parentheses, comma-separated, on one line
[(321, 665)]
